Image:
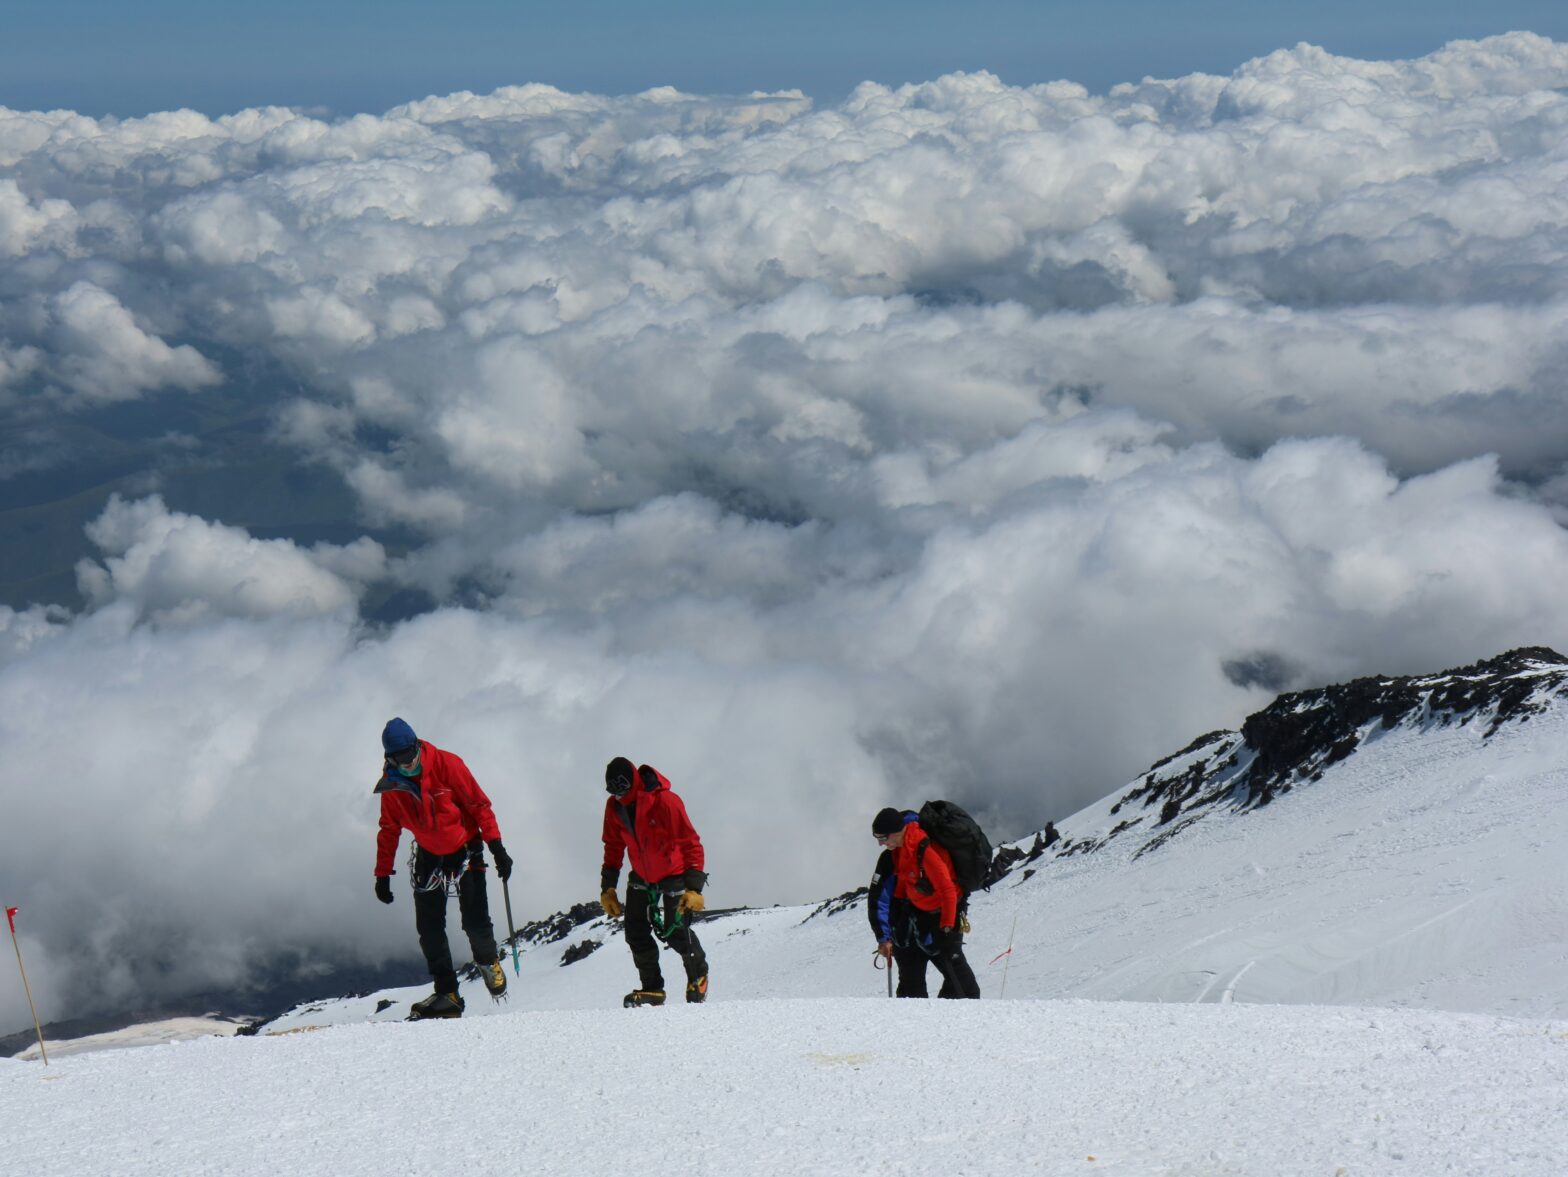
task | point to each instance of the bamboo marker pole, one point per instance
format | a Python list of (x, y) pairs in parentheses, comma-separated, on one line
[(10, 918), (1008, 962)]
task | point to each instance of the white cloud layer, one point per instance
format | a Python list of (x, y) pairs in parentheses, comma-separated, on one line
[(174, 567), (962, 438)]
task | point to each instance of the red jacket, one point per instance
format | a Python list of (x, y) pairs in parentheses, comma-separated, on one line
[(449, 811), (940, 892), (650, 825)]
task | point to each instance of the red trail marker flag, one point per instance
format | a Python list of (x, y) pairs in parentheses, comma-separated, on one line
[(10, 918)]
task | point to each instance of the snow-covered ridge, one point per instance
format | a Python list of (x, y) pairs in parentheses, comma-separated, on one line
[(1295, 739)]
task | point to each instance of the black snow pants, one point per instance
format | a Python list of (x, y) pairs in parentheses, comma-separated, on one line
[(640, 897), (958, 979), (473, 905), (911, 962)]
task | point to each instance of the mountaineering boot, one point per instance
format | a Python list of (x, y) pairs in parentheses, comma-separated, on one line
[(697, 990), (437, 1005), (494, 977), (644, 997)]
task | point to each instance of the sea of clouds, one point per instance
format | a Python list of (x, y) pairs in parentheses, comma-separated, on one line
[(962, 439)]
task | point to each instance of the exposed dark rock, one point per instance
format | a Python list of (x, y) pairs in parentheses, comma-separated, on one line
[(1202, 741), (1302, 732), (579, 950), (1002, 861), (558, 926), (838, 904)]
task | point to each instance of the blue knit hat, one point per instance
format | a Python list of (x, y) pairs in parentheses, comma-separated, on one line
[(396, 736)]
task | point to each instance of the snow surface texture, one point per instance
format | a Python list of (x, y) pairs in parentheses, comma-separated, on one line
[(820, 1087)]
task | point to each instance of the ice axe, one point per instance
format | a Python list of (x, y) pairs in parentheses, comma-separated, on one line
[(511, 932), (878, 961)]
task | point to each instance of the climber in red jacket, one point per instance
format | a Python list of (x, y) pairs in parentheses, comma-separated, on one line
[(431, 793), (924, 879), (645, 821)]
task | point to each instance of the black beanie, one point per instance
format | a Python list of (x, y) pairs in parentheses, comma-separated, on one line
[(619, 769), (889, 821)]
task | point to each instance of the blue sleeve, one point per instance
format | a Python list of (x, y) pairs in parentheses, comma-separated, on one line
[(884, 902), (879, 899)]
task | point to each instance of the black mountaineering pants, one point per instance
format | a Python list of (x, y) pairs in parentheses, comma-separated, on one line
[(473, 905), (911, 964), (640, 931), (958, 979)]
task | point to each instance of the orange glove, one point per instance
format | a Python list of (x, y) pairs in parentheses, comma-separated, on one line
[(692, 901), (608, 901)]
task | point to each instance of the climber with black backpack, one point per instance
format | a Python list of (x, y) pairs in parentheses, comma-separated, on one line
[(927, 877), (893, 924)]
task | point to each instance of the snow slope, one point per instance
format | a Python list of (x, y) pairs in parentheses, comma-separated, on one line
[(820, 1086)]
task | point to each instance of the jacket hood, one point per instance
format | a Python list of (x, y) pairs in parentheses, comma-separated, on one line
[(649, 780)]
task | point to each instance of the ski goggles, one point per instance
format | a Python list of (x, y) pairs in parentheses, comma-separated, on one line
[(403, 757)]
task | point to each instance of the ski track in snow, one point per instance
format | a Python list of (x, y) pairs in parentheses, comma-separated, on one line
[(820, 1086)]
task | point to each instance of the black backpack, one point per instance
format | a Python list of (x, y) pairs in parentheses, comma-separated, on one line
[(961, 836)]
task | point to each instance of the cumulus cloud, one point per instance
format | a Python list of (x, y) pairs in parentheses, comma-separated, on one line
[(25, 225), (173, 567), (959, 439), (103, 355)]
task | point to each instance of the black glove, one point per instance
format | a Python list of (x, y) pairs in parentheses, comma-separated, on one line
[(503, 860), (384, 888), (949, 941), (696, 880), (609, 878)]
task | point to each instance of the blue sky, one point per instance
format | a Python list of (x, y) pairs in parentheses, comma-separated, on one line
[(112, 57)]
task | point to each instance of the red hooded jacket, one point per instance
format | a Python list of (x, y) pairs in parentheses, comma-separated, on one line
[(443, 807), (651, 827), (941, 893)]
